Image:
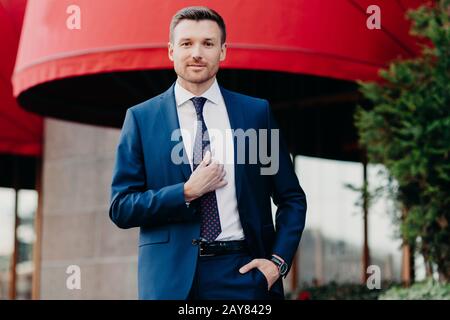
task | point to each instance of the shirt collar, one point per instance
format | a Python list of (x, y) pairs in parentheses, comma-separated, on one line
[(182, 95)]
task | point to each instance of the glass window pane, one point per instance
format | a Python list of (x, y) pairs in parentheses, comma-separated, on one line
[(6, 238), (27, 207)]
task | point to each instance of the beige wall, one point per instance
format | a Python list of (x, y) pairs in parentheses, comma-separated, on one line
[(76, 229)]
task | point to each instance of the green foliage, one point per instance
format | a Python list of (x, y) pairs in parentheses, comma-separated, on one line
[(407, 129), (345, 291), (428, 290)]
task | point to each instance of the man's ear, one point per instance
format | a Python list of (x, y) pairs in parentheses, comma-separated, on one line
[(223, 52), (170, 50)]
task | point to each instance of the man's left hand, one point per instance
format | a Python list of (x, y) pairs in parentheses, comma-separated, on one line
[(267, 267)]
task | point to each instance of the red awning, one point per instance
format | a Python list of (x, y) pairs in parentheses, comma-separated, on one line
[(20, 131), (323, 38), (301, 55)]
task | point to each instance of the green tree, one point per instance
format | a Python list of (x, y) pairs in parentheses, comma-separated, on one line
[(407, 129)]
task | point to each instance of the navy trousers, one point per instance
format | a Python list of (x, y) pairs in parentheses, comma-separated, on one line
[(218, 278)]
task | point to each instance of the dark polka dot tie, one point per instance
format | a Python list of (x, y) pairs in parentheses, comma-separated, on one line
[(209, 212)]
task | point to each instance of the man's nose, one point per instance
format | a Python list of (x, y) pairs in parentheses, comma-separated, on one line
[(197, 52)]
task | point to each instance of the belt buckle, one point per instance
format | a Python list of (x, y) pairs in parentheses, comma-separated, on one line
[(200, 242), (201, 254)]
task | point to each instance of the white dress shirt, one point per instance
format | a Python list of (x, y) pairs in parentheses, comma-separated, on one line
[(221, 144)]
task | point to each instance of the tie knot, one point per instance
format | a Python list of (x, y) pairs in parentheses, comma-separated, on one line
[(199, 102)]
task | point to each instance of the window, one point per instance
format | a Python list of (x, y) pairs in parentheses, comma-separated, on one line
[(24, 238)]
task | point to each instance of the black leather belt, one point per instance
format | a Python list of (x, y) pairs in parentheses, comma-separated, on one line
[(214, 248)]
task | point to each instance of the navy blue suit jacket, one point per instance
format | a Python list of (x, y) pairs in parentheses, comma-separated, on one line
[(147, 192)]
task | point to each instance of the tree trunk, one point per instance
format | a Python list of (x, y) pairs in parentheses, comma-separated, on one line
[(408, 261)]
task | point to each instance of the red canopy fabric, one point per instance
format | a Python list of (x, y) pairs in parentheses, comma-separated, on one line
[(20, 131), (320, 37)]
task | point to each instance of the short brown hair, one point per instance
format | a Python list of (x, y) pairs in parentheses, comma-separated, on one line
[(197, 14)]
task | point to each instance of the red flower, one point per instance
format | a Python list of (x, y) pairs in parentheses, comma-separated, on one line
[(304, 295)]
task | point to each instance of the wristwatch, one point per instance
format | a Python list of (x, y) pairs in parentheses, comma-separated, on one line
[(282, 266)]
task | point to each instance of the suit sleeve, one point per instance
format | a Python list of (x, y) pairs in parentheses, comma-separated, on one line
[(289, 198), (132, 205)]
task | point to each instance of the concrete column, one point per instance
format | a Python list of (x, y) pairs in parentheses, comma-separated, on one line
[(76, 230)]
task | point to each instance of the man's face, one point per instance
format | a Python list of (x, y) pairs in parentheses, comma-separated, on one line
[(196, 50)]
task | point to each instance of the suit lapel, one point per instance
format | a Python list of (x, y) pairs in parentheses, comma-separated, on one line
[(236, 117), (168, 108)]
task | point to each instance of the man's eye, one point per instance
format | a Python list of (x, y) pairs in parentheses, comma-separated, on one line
[(209, 44), (185, 44)]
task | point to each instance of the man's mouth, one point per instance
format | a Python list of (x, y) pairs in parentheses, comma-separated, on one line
[(197, 65)]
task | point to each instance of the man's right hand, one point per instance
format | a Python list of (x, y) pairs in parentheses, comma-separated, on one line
[(207, 177)]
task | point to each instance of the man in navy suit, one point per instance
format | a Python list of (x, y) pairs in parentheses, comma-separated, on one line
[(200, 197)]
